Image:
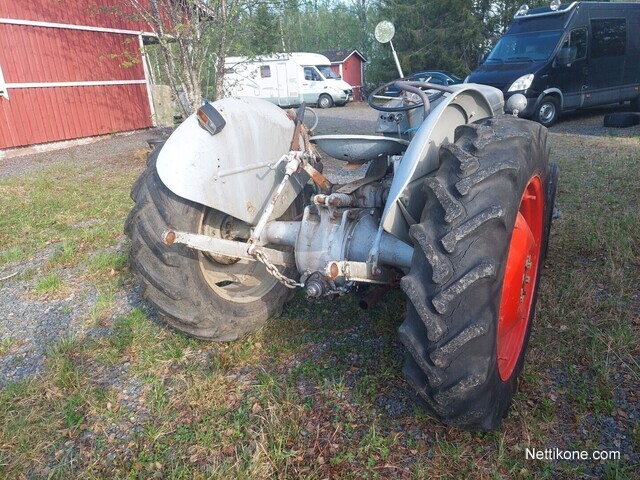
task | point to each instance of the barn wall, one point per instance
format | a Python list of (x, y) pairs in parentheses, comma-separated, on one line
[(41, 54), (94, 13), (352, 71), (39, 115), (66, 83)]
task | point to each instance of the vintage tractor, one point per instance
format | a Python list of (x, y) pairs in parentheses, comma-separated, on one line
[(233, 212)]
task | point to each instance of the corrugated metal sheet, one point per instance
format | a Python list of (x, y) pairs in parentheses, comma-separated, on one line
[(96, 13), (41, 55)]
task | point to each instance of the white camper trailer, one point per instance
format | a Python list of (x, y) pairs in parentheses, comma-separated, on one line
[(287, 79)]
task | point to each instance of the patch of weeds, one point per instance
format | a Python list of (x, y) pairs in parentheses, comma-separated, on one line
[(375, 446), (59, 203), (366, 389), (12, 254), (107, 263), (128, 331), (603, 403), (62, 359), (28, 273), (104, 303), (27, 427), (64, 253), (157, 397), (617, 471), (5, 346), (546, 409), (50, 284), (73, 410)]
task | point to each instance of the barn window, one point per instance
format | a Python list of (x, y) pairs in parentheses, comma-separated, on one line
[(265, 71)]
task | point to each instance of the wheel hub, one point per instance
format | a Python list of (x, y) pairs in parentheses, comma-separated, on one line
[(234, 279), (546, 112), (219, 225)]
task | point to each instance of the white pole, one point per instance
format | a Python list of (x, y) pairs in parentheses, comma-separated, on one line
[(395, 57), (145, 66)]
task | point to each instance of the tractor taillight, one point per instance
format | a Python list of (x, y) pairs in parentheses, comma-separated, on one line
[(210, 119)]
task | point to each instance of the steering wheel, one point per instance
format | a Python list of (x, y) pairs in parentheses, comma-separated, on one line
[(413, 87)]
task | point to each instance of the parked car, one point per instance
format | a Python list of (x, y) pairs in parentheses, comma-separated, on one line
[(432, 76)]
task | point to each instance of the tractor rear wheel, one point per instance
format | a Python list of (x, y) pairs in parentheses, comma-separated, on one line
[(205, 296), (474, 279)]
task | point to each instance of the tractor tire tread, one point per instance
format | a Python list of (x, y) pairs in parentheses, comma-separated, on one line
[(455, 282), (170, 276)]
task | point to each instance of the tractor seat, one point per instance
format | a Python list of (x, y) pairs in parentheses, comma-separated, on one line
[(359, 148)]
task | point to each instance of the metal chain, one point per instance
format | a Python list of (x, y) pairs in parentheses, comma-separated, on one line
[(273, 271)]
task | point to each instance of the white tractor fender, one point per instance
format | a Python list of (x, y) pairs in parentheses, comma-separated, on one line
[(234, 170), (468, 103)]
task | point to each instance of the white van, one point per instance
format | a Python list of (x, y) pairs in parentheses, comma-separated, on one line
[(287, 79)]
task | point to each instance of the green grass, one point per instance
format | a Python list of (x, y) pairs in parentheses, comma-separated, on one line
[(107, 262), (74, 209), (318, 393), (64, 253), (50, 283), (12, 254), (5, 346)]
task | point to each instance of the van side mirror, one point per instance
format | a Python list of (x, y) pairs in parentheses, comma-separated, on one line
[(564, 57), (481, 58)]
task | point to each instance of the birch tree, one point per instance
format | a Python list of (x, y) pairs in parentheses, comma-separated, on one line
[(188, 32)]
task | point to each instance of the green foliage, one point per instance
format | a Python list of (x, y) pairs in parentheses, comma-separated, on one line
[(265, 31), (447, 35), (297, 27)]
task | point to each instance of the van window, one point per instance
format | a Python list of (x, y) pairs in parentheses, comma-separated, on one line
[(577, 44), (265, 71), (609, 37), (311, 74), (327, 72), (525, 47)]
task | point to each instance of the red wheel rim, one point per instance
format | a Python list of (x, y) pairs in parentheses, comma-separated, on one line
[(520, 278)]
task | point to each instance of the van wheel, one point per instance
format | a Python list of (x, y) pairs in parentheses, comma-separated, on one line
[(474, 277), (547, 112), (325, 101)]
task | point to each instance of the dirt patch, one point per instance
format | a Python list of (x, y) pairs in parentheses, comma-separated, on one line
[(117, 151)]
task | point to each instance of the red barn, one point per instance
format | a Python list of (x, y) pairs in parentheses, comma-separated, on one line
[(349, 64), (69, 69)]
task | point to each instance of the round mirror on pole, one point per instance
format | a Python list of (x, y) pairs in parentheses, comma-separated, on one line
[(384, 31)]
